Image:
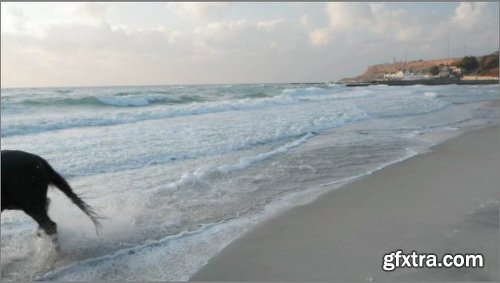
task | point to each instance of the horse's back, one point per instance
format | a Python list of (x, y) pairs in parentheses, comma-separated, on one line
[(24, 178), (17, 165)]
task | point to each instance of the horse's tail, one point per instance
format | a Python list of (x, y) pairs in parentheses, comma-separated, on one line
[(61, 183)]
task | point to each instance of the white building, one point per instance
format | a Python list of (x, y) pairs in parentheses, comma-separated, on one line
[(404, 76)]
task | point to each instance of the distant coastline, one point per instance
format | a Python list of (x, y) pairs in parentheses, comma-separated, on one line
[(434, 81), (468, 70)]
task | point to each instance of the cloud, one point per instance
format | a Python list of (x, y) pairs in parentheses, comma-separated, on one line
[(87, 54), (197, 11), (270, 24), (345, 16), (470, 15), (93, 13), (373, 18), (13, 18), (304, 20), (319, 37), (36, 20), (255, 37), (160, 55), (396, 23), (86, 44)]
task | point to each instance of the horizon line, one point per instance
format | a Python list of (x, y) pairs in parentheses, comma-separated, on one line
[(168, 84)]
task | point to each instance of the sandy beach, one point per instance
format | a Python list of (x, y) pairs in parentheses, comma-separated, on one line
[(444, 201)]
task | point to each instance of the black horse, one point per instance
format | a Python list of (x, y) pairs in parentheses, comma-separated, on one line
[(25, 180)]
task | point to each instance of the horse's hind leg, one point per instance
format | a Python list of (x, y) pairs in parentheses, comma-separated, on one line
[(39, 231), (47, 225)]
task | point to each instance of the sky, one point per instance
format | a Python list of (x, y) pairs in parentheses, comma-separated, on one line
[(157, 43)]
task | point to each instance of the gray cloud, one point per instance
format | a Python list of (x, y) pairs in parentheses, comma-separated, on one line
[(89, 50)]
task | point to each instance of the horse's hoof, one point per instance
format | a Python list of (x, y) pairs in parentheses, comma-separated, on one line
[(55, 242)]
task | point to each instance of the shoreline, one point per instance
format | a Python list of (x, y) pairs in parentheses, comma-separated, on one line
[(345, 232), (438, 81)]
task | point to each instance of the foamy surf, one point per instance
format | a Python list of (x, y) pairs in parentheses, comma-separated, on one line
[(180, 180), (160, 259)]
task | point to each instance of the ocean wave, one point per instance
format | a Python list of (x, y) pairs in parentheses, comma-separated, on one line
[(376, 102), (131, 109), (182, 138), (56, 121), (63, 90), (303, 91), (403, 104), (127, 101), (121, 100), (149, 97), (258, 94)]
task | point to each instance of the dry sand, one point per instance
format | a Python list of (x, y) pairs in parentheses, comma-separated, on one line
[(445, 201)]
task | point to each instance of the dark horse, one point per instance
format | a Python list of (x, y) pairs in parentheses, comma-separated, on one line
[(25, 180)]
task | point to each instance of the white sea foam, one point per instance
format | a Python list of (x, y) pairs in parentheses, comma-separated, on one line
[(47, 121), (304, 91), (247, 161), (375, 101), (121, 147), (179, 182), (159, 260)]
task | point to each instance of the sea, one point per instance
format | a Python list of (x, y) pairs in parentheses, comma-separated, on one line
[(180, 171)]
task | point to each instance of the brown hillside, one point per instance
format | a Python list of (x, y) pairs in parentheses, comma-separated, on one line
[(488, 65), (377, 71), (494, 72)]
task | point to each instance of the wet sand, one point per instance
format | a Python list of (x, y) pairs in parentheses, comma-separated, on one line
[(444, 201)]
